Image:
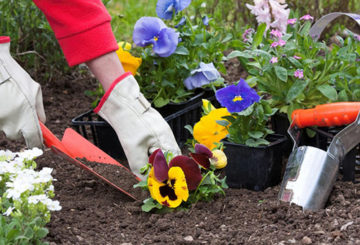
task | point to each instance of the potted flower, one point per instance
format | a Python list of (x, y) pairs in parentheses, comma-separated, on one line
[(179, 55), (254, 153), (296, 71)]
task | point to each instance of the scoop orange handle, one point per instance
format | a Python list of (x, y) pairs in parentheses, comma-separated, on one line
[(334, 114)]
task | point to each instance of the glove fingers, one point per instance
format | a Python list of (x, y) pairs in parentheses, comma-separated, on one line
[(40, 106), (32, 132)]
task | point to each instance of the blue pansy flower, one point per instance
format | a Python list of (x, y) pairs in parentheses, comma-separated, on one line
[(205, 74), (166, 8), (205, 20), (181, 22), (237, 98), (152, 30)]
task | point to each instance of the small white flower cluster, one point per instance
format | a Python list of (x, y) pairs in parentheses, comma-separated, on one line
[(272, 12), (23, 179)]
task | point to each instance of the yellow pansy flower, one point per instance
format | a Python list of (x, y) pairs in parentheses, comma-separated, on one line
[(129, 62), (173, 191), (207, 131)]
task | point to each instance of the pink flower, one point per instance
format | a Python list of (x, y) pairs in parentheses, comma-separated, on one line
[(291, 21), (272, 12), (274, 60), (297, 57), (274, 44), (281, 42), (357, 37), (299, 73), (246, 34), (276, 33), (307, 17)]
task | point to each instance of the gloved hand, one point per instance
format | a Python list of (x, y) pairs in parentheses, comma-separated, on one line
[(20, 100), (140, 128)]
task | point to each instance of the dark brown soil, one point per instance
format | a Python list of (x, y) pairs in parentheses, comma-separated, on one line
[(95, 213), (119, 177)]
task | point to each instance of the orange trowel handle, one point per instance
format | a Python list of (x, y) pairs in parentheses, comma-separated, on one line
[(50, 139), (334, 114)]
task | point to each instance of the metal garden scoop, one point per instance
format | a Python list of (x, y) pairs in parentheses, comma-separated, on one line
[(311, 172)]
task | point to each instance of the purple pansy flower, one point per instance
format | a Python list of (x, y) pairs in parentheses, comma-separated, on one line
[(181, 22), (274, 60), (276, 33), (205, 74), (299, 73), (292, 21), (166, 8), (152, 30), (307, 17), (357, 37), (205, 20), (237, 98)]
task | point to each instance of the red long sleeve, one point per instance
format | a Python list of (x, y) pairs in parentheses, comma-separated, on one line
[(82, 28)]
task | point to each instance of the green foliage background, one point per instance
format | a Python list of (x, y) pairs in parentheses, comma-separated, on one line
[(35, 47)]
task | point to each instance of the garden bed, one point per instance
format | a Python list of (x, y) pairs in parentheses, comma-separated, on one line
[(94, 213)]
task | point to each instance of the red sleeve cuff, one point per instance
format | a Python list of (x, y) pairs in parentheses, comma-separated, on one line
[(87, 45)]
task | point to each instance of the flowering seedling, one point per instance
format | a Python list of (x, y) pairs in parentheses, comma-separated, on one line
[(248, 122), (296, 71), (178, 182), (180, 53), (25, 201)]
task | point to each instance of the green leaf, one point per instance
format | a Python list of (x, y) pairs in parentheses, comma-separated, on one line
[(237, 53), (149, 204), (328, 91), (295, 62), (256, 134), (141, 184), (296, 89), (189, 127), (12, 233), (281, 73), (160, 102), (228, 37), (222, 122), (255, 64), (259, 35), (305, 29), (247, 111), (181, 50), (42, 232), (343, 96)]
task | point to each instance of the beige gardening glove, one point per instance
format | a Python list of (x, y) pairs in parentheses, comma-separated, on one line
[(139, 127), (21, 104)]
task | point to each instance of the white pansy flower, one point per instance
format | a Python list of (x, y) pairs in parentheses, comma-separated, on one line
[(203, 5), (9, 211)]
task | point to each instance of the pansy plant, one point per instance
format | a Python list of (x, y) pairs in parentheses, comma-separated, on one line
[(178, 182), (179, 54), (249, 114)]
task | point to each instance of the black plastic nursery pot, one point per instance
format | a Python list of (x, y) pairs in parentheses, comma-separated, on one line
[(255, 168), (95, 129)]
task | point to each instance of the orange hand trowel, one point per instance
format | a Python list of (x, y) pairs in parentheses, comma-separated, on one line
[(73, 147)]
